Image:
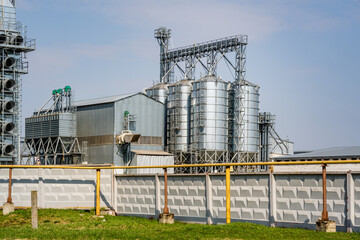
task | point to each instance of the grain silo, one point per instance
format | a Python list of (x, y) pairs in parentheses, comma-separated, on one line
[(244, 122), (179, 109), (209, 120), (158, 92)]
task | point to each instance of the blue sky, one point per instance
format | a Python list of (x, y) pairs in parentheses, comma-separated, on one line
[(304, 55)]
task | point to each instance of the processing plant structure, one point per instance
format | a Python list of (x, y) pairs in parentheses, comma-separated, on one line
[(194, 120), (50, 134), (209, 120), (14, 44)]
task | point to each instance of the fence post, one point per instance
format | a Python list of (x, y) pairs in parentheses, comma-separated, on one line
[(97, 192), (157, 196), (115, 191), (34, 210), (272, 198), (41, 194), (350, 202), (228, 195), (208, 185)]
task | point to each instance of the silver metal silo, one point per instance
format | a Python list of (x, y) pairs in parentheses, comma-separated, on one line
[(244, 123), (158, 92), (209, 120), (178, 107), (251, 118)]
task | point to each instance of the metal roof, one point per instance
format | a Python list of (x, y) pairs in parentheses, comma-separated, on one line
[(327, 153), (110, 99)]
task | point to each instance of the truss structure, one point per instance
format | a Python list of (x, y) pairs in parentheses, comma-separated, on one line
[(50, 134), (53, 151), (267, 132), (196, 55), (206, 56)]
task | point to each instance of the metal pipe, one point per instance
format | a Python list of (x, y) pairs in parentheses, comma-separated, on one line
[(97, 192), (192, 165), (228, 195), (324, 215), (9, 199), (166, 209)]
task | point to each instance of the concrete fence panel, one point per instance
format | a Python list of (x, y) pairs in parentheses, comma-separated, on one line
[(57, 188)]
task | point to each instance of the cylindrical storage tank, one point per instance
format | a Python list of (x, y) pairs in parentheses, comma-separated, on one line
[(251, 107), (179, 110), (246, 118), (158, 92), (209, 120)]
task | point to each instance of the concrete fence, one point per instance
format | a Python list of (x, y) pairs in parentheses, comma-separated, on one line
[(272, 199), (57, 188)]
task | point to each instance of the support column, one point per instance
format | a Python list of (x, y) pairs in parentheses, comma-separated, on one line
[(166, 216), (325, 225), (324, 214), (228, 196), (9, 199), (8, 207), (97, 192)]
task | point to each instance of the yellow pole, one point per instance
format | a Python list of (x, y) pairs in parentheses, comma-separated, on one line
[(97, 192), (228, 213)]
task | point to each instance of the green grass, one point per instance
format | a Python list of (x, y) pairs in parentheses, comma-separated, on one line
[(71, 224)]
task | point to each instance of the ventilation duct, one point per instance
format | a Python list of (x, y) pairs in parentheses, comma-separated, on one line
[(7, 127), (8, 62), (7, 149), (7, 105), (127, 137), (8, 84), (16, 40)]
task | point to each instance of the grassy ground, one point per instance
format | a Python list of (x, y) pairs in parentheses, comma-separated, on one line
[(70, 224)]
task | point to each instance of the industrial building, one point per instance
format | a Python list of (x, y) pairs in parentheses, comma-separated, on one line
[(50, 134), (104, 123), (209, 119), (14, 44), (332, 154), (121, 130), (203, 119)]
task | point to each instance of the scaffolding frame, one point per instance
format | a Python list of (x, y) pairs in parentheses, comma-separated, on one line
[(16, 49)]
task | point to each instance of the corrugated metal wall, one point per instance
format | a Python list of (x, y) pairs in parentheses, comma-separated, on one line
[(149, 116), (95, 124), (99, 124)]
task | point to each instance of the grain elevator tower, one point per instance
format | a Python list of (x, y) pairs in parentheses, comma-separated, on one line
[(14, 44)]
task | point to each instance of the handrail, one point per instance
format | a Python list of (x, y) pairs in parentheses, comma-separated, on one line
[(189, 165)]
